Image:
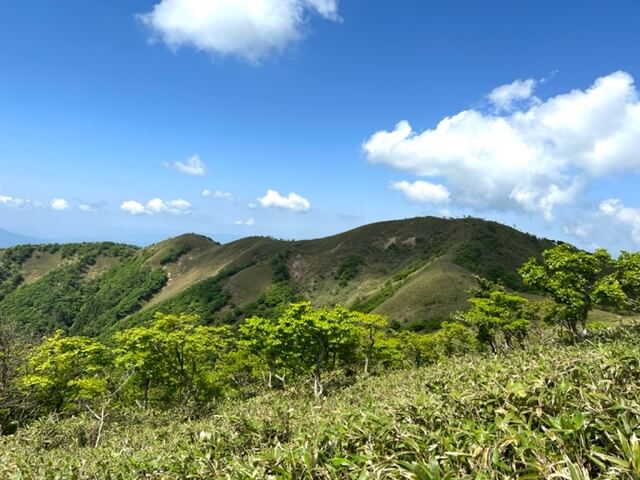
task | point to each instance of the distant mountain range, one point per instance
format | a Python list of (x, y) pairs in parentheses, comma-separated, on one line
[(415, 271), (10, 239)]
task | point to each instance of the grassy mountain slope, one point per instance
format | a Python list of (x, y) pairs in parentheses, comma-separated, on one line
[(416, 271)]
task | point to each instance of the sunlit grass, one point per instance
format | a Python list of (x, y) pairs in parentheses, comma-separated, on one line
[(552, 411)]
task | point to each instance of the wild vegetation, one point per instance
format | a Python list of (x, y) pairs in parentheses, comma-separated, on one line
[(508, 388), (413, 271), (554, 411)]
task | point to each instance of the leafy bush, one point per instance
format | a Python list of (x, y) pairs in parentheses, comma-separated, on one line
[(174, 253)]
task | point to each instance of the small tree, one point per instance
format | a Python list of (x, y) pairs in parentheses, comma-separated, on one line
[(63, 372), (455, 338), (620, 288), (498, 317), (13, 404), (419, 349), (266, 340), (174, 353), (319, 339), (370, 330), (574, 279)]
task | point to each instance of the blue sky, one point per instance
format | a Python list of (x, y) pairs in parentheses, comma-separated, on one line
[(302, 118)]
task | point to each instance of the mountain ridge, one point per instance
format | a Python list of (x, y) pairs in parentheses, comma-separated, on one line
[(416, 271), (11, 239)]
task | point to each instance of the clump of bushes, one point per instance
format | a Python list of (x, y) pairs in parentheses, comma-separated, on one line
[(556, 411)]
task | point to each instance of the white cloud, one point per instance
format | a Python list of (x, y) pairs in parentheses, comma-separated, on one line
[(157, 205), (505, 97), (191, 166), (249, 29), (627, 216), (87, 207), (217, 194), (248, 222), (421, 191), (133, 207), (293, 201), (14, 202), (60, 204), (532, 159)]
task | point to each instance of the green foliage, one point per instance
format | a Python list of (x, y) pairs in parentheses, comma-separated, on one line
[(117, 293), (173, 360), (63, 371), (46, 287), (271, 304), (499, 318), (65, 297), (13, 405), (204, 299), (304, 340), (51, 303), (349, 270), (578, 280), (174, 253), (420, 350), (368, 304), (620, 289), (489, 251), (552, 411), (280, 266), (454, 338)]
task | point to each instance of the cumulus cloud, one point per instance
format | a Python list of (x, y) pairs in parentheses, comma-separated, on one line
[(627, 216), (156, 206), (531, 159), (505, 97), (217, 194), (293, 201), (421, 191), (249, 29), (60, 204), (191, 166), (248, 222)]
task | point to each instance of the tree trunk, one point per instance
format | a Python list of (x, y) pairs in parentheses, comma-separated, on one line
[(318, 388), (282, 379), (145, 398)]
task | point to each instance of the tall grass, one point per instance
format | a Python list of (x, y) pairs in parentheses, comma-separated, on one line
[(553, 411)]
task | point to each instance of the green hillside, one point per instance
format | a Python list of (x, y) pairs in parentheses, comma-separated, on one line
[(415, 271)]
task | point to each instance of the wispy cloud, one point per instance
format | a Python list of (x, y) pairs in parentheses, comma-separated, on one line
[(16, 202), (248, 222), (191, 166), (217, 194)]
